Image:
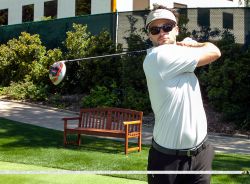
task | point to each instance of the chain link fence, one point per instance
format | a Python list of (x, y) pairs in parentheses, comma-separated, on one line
[(200, 22)]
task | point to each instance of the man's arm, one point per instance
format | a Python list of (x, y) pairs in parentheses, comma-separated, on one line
[(209, 52)]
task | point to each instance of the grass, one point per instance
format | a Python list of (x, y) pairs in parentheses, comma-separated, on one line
[(32, 145), (55, 178)]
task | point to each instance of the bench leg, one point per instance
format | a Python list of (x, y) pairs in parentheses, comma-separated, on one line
[(126, 145), (79, 139), (65, 138), (139, 143)]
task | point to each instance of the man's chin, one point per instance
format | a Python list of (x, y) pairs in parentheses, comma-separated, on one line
[(165, 42)]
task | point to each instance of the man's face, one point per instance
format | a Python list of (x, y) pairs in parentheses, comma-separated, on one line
[(163, 31)]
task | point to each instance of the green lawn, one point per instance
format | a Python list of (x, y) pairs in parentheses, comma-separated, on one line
[(55, 178), (32, 145)]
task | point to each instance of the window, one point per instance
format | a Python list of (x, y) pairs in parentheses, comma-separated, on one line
[(228, 21), (83, 7), (4, 17), (204, 17), (28, 13), (50, 9)]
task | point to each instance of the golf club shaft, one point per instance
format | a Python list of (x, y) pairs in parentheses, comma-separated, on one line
[(107, 55)]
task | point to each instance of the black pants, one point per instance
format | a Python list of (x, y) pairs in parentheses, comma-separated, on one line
[(158, 161)]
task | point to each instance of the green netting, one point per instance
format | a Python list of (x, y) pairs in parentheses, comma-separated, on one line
[(53, 32)]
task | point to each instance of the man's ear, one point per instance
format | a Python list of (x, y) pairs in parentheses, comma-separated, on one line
[(149, 37)]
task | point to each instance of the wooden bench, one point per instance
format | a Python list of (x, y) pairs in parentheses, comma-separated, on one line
[(110, 122)]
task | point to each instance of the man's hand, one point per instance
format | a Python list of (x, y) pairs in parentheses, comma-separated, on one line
[(209, 52), (189, 42)]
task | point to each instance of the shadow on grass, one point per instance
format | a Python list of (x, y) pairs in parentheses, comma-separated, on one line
[(15, 134), (231, 162), (105, 145)]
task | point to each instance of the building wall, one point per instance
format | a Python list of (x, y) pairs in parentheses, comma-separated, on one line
[(141, 5), (124, 5), (216, 21), (66, 8), (203, 3), (104, 6)]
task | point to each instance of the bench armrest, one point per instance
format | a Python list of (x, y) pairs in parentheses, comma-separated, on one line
[(66, 119), (132, 122)]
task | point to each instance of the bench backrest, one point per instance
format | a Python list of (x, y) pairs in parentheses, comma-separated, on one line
[(108, 118)]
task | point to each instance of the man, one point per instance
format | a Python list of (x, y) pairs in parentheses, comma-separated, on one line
[(180, 130)]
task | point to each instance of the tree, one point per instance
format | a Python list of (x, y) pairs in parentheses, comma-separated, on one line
[(247, 3), (83, 7)]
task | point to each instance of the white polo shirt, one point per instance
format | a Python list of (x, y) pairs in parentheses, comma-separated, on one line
[(180, 119)]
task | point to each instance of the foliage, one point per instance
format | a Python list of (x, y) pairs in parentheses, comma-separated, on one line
[(120, 81), (18, 55), (182, 23), (46, 18), (77, 41), (83, 7), (24, 58), (247, 3), (101, 96), (101, 71), (83, 76), (205, 33), (39, 70), (24, 62), (25, 90), (227, 82), (133, 84), (135, 99)]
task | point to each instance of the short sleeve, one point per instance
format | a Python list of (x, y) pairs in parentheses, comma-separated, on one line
[(175, 60)]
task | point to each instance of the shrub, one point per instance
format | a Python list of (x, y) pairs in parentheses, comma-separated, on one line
[(135, 99), (227, 82), (83, 76), (133, 80), (25, 90), (25, 58), (101, 96), (18, 55)]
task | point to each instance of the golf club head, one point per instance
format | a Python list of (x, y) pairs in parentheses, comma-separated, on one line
[(57, 72)]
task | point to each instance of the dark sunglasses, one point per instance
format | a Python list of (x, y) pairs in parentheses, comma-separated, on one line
[(156, 30)]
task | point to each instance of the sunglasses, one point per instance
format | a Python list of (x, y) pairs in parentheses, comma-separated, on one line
[(156, 30)]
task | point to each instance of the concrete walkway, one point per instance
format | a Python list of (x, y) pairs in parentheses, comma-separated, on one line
[(51, 118)]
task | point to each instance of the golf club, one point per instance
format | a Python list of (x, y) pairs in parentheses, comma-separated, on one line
[(57, 71)]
